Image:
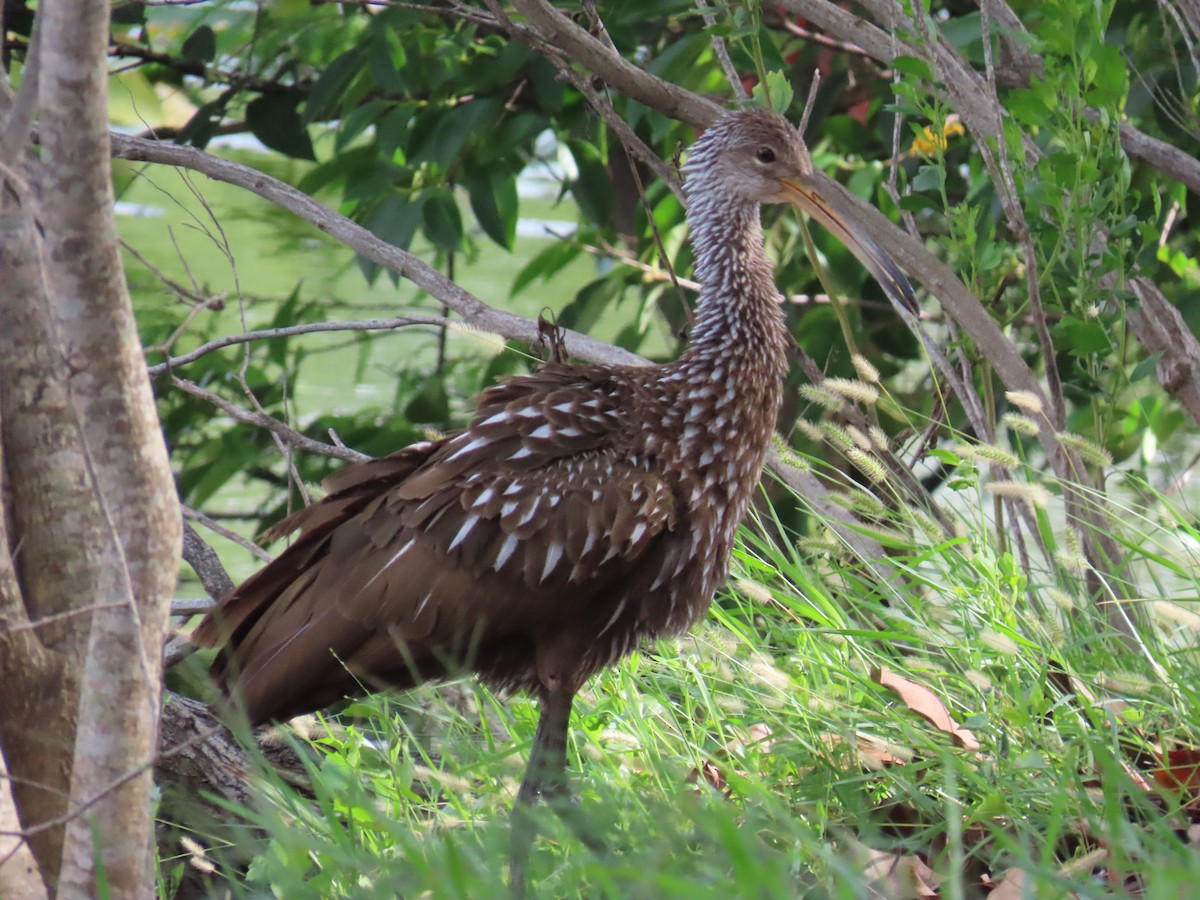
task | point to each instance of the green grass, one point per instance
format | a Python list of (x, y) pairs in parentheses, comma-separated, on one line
[(683, 798)]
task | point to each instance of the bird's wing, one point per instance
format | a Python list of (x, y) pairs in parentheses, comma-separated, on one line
[(511, 526)]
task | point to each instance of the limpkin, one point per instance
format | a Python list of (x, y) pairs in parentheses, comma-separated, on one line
[(584, 510)]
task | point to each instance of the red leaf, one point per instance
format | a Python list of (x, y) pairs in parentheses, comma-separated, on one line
[(1180, 770)]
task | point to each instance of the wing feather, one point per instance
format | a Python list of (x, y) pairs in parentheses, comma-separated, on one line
[(417, 557)]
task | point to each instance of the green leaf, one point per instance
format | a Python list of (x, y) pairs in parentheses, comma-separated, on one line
[(913, 66), (203, 124), (123, 14), (775, 93), (544, 265), (393, 133), (326, 96), (201, 45), (1146, 368), (962, 31), (358, 121), (589, 304), (592, 188), (275, 122), (1081, 336), (395, 220), (386, 59), (494, 201), (452, 128), (431, 404), (442, 220), (928, 178)]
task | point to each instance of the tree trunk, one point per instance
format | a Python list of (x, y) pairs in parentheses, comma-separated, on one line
[(89, 540)]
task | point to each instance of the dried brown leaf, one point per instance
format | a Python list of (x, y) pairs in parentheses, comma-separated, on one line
[(924, 702), (711, 773), (1011, 886), (899, 877)]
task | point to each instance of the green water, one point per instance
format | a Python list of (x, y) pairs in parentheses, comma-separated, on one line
[(219, 239)]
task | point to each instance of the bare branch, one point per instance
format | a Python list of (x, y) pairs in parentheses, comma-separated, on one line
[(18, 122), (1161, 330), (205, 563), (291, 331), (554, 28), (216, 527), (721, 51)]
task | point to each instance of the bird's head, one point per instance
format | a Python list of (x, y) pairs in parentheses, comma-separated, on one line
[(756, 156)]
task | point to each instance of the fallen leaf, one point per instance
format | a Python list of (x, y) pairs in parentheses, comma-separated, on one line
[(760, 736), (1011, 886), (898, 877), (711, 773), (868, 752), (924, 702), (1180, 770)]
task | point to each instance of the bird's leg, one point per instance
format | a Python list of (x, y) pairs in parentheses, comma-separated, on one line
[(545, 778)]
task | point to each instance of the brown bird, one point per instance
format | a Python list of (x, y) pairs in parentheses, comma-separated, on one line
[(584, 511)]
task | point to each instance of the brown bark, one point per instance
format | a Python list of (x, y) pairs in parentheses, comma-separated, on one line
[(92, 527), (1161, 330), (44, 498)]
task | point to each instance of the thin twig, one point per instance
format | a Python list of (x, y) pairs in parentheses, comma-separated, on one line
[(722, 52), (809, 101), (196, 516), (262, 420)]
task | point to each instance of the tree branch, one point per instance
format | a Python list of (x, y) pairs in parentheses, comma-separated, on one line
[(291, 331), (476, 313)]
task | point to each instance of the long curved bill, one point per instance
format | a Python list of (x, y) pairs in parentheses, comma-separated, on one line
[(841, 223)]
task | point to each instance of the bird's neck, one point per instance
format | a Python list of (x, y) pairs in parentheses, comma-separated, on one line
[(738, 314)]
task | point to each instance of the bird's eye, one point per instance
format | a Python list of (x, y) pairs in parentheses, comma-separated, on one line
[(765, 155)]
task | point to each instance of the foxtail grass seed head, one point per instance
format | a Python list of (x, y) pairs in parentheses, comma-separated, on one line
[(1061, 599), (1075, 563), (855, 391), (770, 674), (991, 453), (837, 436), (978, 679), (1126, 682), (788, 456), (1020, 424), (817, 545), (1177, 613), (865, 368), (491, 341), (822, 397), (752, 590), (1034, 494), (867, 505), (860, 438), (813, 432), (891, 536), (1089, 450), (878, 437), (197, 855), (926, 525), (999, 642), (867, 464), (1026, 400)]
